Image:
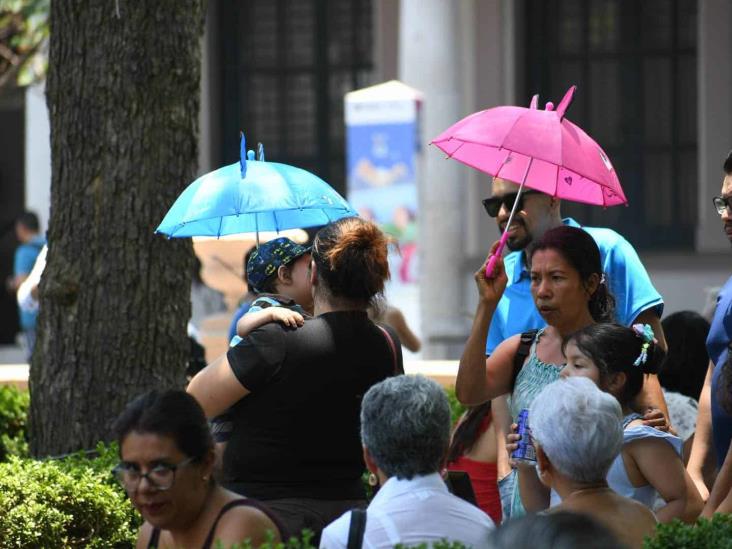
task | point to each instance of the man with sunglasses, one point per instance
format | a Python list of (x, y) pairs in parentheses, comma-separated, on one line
[(713, 423), (637, 301)]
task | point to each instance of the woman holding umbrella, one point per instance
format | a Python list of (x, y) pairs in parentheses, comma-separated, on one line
[(569, 290), (295, 394)]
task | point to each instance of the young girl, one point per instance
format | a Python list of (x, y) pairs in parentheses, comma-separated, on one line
[(473, 449), (616, 358)]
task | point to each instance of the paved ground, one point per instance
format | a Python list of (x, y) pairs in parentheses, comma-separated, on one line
[(13, 366)]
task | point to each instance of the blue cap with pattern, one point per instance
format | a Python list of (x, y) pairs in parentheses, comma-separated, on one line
[(264, 261)]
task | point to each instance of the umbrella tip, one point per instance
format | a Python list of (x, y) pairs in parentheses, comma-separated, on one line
[(250, 155), (549, 106)]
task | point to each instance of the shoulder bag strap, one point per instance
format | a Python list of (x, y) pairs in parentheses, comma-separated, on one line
[(524, 348), (392, 346), (357, 529)]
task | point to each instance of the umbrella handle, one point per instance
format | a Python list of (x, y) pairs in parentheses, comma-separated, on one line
[(490, 267)]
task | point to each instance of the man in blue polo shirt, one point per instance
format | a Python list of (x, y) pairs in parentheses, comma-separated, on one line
[(636, 298), (714, 424)]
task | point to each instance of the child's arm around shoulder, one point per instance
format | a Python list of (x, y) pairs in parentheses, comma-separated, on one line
[(254, 319)]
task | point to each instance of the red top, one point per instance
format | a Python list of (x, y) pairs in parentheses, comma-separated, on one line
[(484, 478)]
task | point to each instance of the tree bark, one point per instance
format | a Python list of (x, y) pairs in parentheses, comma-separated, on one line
[(123, 98)]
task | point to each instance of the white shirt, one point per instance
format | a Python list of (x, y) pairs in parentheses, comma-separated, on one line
[(26, 301), (411, 512)]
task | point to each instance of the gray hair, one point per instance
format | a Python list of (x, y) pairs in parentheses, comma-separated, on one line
[(579, 428), (405, 424)]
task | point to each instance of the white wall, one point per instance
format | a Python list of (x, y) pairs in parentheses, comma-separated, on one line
[(37, 154)]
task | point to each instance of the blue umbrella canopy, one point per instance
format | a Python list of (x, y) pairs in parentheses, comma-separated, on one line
[(251, 196)]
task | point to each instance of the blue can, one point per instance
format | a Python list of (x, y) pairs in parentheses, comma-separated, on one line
[(525, 450)]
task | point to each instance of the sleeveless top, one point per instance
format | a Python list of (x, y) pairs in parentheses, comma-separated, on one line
[(533, 377), (617, 477), (483, 477), (208, 543)]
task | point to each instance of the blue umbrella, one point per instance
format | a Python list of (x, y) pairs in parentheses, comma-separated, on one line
[(252, 196)]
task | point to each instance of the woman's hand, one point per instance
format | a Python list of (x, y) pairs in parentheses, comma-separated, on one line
[(655, 418), (512, 440), (491, 289)]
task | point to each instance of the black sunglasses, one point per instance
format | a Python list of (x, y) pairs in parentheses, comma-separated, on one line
[(722, 203), (493, 204)]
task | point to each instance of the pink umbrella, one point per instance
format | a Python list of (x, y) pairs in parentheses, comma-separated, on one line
[(539, 149)]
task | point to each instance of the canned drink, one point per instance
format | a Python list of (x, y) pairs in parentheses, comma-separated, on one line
[(525, 450)]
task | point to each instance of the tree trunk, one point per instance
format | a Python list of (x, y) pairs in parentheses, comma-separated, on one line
[(123, 98)]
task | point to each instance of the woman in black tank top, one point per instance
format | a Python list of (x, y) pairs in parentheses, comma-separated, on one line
[(167, 458)]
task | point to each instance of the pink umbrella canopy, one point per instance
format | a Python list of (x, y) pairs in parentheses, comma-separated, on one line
[(542, 149)]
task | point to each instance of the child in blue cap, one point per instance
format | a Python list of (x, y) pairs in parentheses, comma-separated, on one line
[(279, 273)]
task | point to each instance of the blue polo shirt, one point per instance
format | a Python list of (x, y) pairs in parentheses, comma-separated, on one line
[(720, 335), (629, 283)]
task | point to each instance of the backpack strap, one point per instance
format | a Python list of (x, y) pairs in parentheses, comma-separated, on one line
[(357, 529), (524, 348)]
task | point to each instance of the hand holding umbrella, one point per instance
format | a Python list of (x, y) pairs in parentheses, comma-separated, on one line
[(539, 149)]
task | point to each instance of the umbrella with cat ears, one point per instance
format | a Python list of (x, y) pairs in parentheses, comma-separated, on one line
[(535, 148), (250, 196)]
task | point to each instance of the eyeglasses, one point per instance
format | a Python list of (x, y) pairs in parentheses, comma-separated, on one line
[(161, 477), (493, 204), (722, 203)]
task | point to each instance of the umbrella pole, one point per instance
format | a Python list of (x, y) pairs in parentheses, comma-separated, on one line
[(256, 228), (491, 265)]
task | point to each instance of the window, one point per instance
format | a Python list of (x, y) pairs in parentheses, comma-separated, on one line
[(286, 66), (634, 64)]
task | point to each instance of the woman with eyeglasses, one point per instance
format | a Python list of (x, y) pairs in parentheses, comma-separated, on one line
[(167, 457)]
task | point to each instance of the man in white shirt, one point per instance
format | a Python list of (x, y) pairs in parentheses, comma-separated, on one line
[(405, 431)]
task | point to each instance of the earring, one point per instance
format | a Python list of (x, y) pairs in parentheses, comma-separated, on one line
[(373, 479)]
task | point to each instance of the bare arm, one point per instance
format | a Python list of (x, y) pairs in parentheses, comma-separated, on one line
[(479, 378), (720, 500), (216, 388), (702, 445), (663, 469), (251, 321), (502, 421), (395, 318)]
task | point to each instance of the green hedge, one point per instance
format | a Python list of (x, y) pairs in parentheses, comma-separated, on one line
[(713, 534), (14, 405), (73, 502)]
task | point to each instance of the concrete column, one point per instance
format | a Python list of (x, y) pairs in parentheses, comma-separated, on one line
[(37, 153), (430, 61), (714, 62)]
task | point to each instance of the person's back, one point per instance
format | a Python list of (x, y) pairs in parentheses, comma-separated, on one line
[(412, 512), (629, 520), (307, 440)]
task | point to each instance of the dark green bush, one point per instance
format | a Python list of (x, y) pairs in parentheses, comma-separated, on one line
[(13, 418), (72, 502), (708, 534)]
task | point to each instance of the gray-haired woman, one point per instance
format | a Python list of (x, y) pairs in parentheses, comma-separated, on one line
[(405, 431), (578, 433)]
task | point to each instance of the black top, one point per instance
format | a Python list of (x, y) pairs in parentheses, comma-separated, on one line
[(297, 433), (155, 536)]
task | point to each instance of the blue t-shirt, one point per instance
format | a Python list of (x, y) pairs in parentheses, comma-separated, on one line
[(720, 334), (25, 258), (629, 282)]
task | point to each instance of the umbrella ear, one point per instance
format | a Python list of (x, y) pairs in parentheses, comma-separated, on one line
[(243, 154), (534, 105), (566, 102), (260, 152)]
